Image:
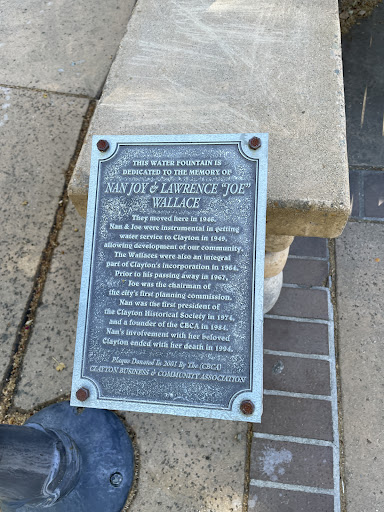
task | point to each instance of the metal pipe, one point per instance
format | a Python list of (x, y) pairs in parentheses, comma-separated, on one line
[(38, 466), (66, 459)]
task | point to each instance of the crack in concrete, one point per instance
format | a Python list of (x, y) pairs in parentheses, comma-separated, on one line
[(365, 220), (46, 91), (247, 469), (333, 289), (363, 167)]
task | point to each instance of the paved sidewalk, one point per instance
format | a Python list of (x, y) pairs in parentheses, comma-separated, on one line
[(359, 264), (54, 66), (55, 57)]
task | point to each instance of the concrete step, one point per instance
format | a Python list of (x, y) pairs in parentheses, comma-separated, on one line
[(199, 66)]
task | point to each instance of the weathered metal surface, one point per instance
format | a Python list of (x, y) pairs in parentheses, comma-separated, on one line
[(66, 459), (170, 315)]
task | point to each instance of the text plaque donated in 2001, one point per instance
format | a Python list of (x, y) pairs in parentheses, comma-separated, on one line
[(170, 315)]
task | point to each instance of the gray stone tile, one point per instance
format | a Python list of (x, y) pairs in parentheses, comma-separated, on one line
[(354, 185), (189, 464), (62, 45), (302, 303), (306, 272), (360, 289), (301, 337), (292, 463), (309, 246), (279, 500), (298, 417), (297, 375), (38, 133), (364, 82), (53, 338), (373, 183)]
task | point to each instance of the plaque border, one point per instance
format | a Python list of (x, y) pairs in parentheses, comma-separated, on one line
[(255, 394)]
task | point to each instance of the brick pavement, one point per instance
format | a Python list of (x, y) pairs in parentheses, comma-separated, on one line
[(295, 450)]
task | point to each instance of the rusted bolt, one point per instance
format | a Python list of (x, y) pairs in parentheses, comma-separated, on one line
[(102, 145), (247, 407), (82, 394), (254, 143)]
